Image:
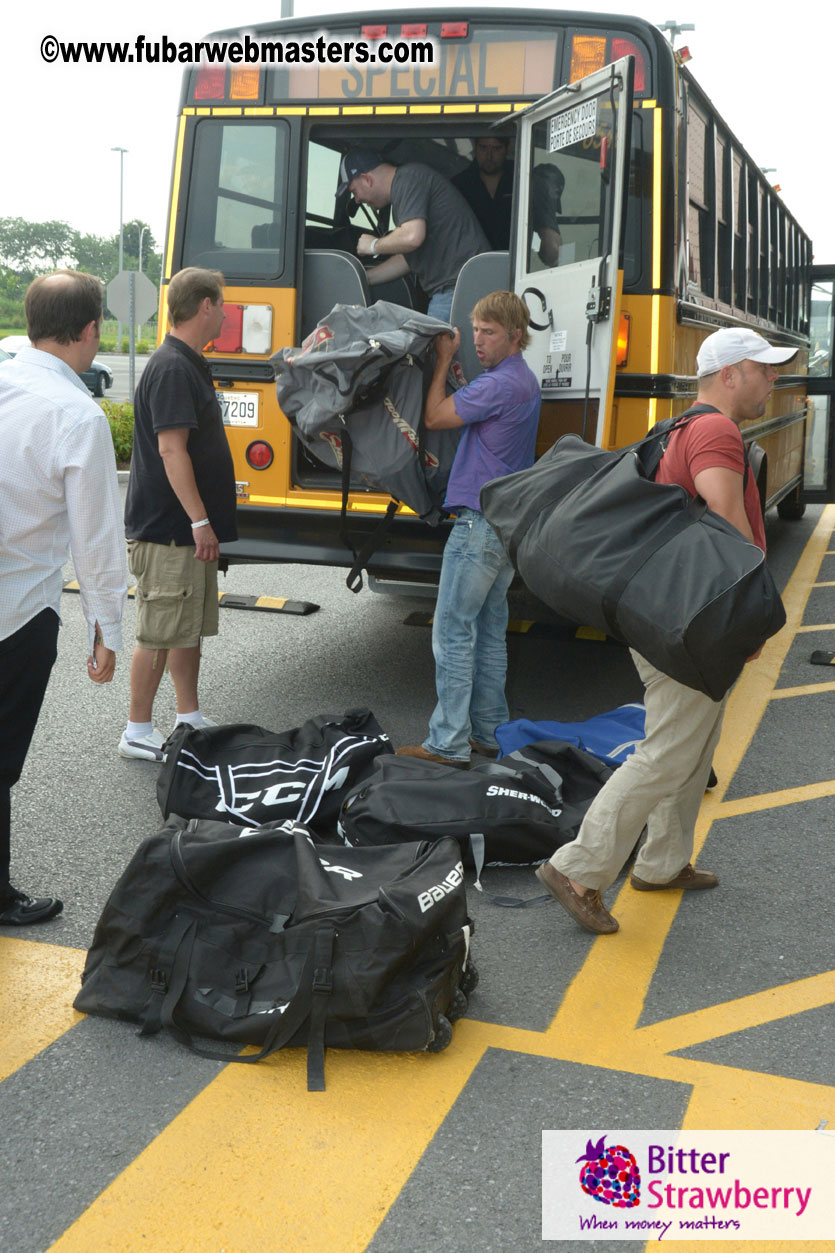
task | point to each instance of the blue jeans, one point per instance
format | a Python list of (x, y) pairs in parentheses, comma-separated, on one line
[(440, 305), (468, 639)]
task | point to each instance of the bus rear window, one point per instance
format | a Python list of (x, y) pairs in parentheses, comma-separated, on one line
[(236, 198)]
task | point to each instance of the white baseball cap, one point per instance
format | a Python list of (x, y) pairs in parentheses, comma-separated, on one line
[(732, 345)]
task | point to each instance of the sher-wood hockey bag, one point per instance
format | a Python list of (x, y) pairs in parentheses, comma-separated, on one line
[(246, 774), (264, 937), (508, 813)]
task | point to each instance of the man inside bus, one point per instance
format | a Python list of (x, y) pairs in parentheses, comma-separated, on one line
[(487, 186), (180, 506), (435, 229), (499, 414), (58, 494), (660, 786)]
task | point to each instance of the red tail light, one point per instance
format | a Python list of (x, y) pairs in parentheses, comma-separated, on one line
[(259, 455)]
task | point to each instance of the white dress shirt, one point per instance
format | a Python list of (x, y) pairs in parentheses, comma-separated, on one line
[(58, 493)]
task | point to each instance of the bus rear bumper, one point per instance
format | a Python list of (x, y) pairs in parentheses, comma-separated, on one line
[(411, 550)]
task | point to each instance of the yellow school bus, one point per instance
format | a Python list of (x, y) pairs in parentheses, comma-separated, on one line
[(668, 230)]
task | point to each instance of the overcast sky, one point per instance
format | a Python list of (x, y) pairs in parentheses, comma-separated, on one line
[(766, 67)]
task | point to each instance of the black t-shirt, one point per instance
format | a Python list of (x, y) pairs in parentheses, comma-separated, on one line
[(176, 390), (493, 212)]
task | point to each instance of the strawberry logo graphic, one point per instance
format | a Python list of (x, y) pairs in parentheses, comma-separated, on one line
[(610, 1175)]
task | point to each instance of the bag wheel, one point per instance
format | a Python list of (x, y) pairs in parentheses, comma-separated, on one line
[(469, 978), (442, 1037), (458, 1006)]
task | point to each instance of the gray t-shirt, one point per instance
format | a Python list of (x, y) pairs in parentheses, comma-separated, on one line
[(453, 234)]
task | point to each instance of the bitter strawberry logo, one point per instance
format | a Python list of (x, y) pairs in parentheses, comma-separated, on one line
[(610, 1175)]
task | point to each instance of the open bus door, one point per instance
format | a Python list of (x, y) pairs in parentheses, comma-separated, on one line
[(819, 462), (571, 182)]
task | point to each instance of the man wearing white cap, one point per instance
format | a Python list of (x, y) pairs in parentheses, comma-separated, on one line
[(661, 785)]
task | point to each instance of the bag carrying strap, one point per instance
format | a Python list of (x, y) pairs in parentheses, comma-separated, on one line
[(170, 976), (507, 902)]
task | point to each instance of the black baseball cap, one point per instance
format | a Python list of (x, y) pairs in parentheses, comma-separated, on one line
[(356, 161)]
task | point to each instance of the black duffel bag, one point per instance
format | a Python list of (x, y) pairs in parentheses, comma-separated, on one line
[(264, 937), (247, 774), (594, 537), (513, 812)]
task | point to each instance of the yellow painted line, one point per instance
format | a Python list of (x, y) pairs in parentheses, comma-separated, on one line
[(829, 584), (823, 626), (38, 983), (772, 800), (769, 1005), (810, 689)]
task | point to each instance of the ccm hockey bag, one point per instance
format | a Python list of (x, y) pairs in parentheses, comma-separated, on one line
[(246, 774), (264, 937)]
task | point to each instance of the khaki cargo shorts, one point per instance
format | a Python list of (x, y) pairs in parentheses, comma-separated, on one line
[(176, 596)]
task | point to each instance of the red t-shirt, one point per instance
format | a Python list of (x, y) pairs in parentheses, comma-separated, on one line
[(706, 442)]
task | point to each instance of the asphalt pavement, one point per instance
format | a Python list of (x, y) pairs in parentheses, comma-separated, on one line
[(713, 1010)]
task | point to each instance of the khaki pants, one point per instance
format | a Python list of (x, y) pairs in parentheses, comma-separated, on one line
[(660, 786)]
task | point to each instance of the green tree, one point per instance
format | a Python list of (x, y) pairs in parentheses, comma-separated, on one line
[(33, 247), (97, 255)]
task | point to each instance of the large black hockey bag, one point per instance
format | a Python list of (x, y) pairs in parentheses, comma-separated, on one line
[(517, 811), (246, 774), (598, 540), (354, 393), (264, 937)]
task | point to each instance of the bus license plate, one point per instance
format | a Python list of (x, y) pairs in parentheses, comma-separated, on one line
[(239, 408)]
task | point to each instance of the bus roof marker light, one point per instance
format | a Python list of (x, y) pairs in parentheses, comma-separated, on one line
[(210, 83), (454, 30), (413, 30), (374, 32)]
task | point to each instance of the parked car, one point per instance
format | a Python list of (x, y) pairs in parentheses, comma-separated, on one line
[(98, 378)]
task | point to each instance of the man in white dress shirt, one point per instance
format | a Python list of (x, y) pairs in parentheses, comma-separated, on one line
[(58, 493)]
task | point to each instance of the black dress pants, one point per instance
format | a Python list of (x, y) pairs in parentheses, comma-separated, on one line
[(26, 661)]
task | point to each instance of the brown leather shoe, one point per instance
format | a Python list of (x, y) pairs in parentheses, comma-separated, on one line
[(688, 878), (485, 750), (587, 909), (417, 750)]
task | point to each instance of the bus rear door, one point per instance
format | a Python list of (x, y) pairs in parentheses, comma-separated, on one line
[(819, 461), (572, 176)]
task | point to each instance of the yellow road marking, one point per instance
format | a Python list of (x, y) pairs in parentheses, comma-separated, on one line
[(38, 983), (255, 1160), (809, 689)]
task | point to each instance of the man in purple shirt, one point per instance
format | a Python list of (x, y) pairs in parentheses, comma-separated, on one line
[(499, 413)]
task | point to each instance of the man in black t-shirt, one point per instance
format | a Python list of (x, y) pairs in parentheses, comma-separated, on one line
[(487, 186), (180, 507)]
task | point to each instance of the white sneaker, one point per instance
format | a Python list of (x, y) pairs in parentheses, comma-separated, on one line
[(144, 747), (207, 722)]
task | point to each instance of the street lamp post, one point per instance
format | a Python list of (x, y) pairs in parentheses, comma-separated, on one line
[(141, 237), (121, 152)]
